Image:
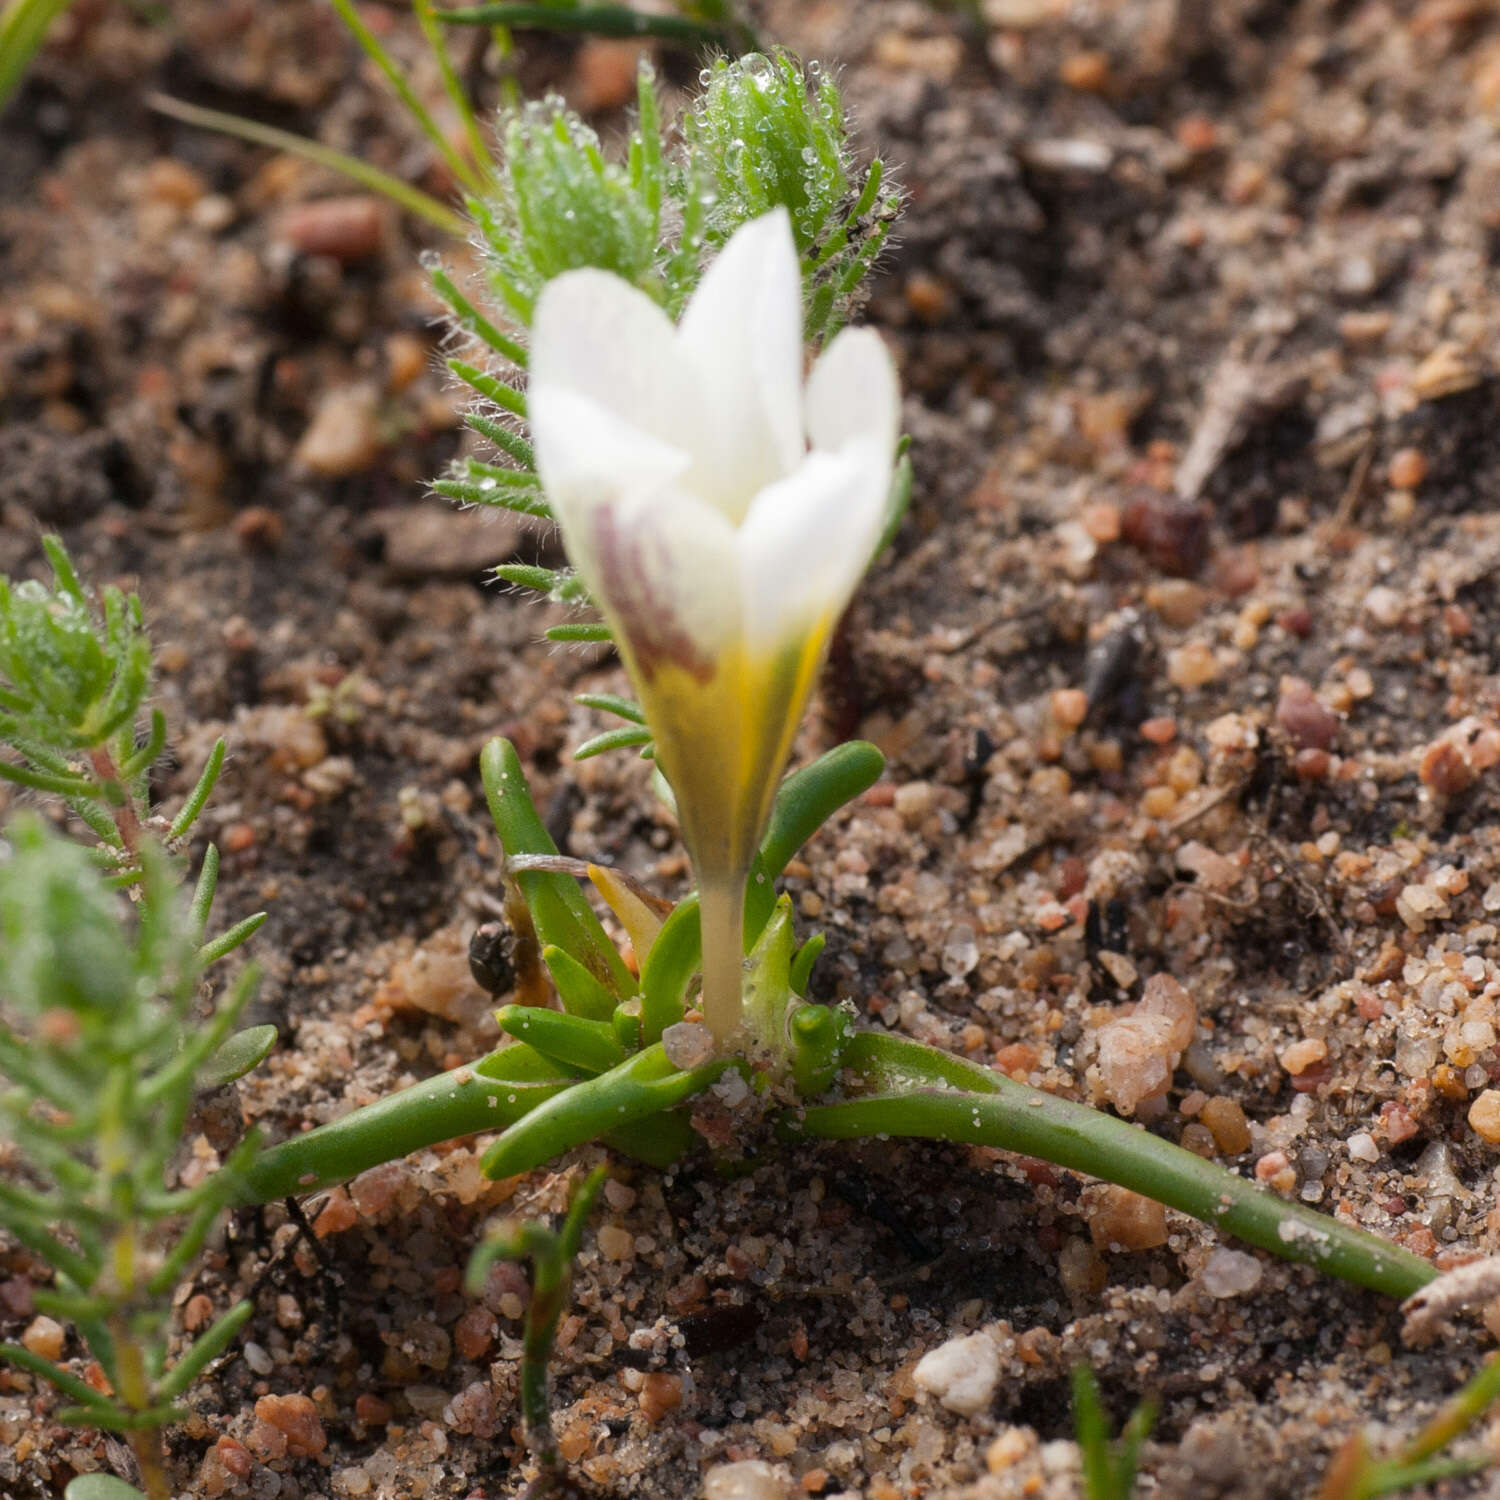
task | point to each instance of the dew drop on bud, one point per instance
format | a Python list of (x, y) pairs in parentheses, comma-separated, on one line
[(756, 66), (706, 77)]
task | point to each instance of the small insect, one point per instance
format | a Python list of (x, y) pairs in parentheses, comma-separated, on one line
[(492, 958)]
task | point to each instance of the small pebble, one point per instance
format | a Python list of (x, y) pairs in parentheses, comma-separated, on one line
[(753, 1479), (688, 1044), (1408, 468), (1304, 1054), (1122, 1220), (1193, 665), (1308, 723), (1484, 1116), (344, 434), (1230, 1273), (349, 228), (296, 1418), (615, 1243), (1362, 1147), (44, 1336), (962, 1373), (1227, 1122)]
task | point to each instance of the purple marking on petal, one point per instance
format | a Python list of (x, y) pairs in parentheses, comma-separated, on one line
[(653, 633)]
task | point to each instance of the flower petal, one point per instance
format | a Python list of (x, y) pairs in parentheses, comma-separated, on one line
[(659, 560), (596, 335), (852, 392), (807, 541), (588, 456), (742, 338)]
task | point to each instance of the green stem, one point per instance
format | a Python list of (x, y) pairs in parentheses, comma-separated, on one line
[(721, 914), (461, 1102), (1014, 1117), (597, 20)]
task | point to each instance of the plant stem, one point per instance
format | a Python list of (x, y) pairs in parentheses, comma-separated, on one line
[(127, 819), (721, 910), (145, 1443), (135, 1392), (1017, 1118)]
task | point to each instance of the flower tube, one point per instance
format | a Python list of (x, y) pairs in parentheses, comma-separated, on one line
[(721, 512)]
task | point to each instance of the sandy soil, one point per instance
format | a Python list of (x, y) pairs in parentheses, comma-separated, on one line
[(1184, 663)]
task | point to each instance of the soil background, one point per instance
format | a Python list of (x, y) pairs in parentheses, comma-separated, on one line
[(1184, 662)]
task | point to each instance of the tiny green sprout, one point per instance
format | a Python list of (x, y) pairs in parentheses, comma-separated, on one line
[(102, 1057), (1109, 1464), (552, 1254), (1356, 1475)]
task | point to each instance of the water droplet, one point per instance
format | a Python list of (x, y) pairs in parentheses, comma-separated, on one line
[(430, 260), (706, 77), (814, 67), (756, 66)]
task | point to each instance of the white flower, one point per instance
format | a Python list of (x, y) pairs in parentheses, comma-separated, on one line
[(721, 513)]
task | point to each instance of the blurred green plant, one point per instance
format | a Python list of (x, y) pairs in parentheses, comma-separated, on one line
[(102, 1049), (1109, 1463), (102, 1056), (552, 1254), (24, 25)]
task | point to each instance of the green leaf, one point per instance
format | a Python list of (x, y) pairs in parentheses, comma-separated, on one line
[(627, 738), (560, 910), (610, 703), (596, 20), (207, 1348), (486, 1095), (202, 790), (644, 1085), (227, 942), (101, 1487), (581, 993), (243, 1051), (413, 200), (668, 970), (68, 1383), (583, 633), (808, 798), (571, 1040)]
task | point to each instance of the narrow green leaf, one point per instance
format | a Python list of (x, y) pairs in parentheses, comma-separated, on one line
[(413, 200), (144, 757), (370, 43), (68, 1384), (234, 1058), (596, 20), (227, 942), (643, 1085), (512, 444), (573, 1040), (581, 993), (45, 781), (609, 703), (468, 492), (808, 798), (202, 790), (506, 397), (472, 321), (207, 1348), (612, 739), (580, 633)]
